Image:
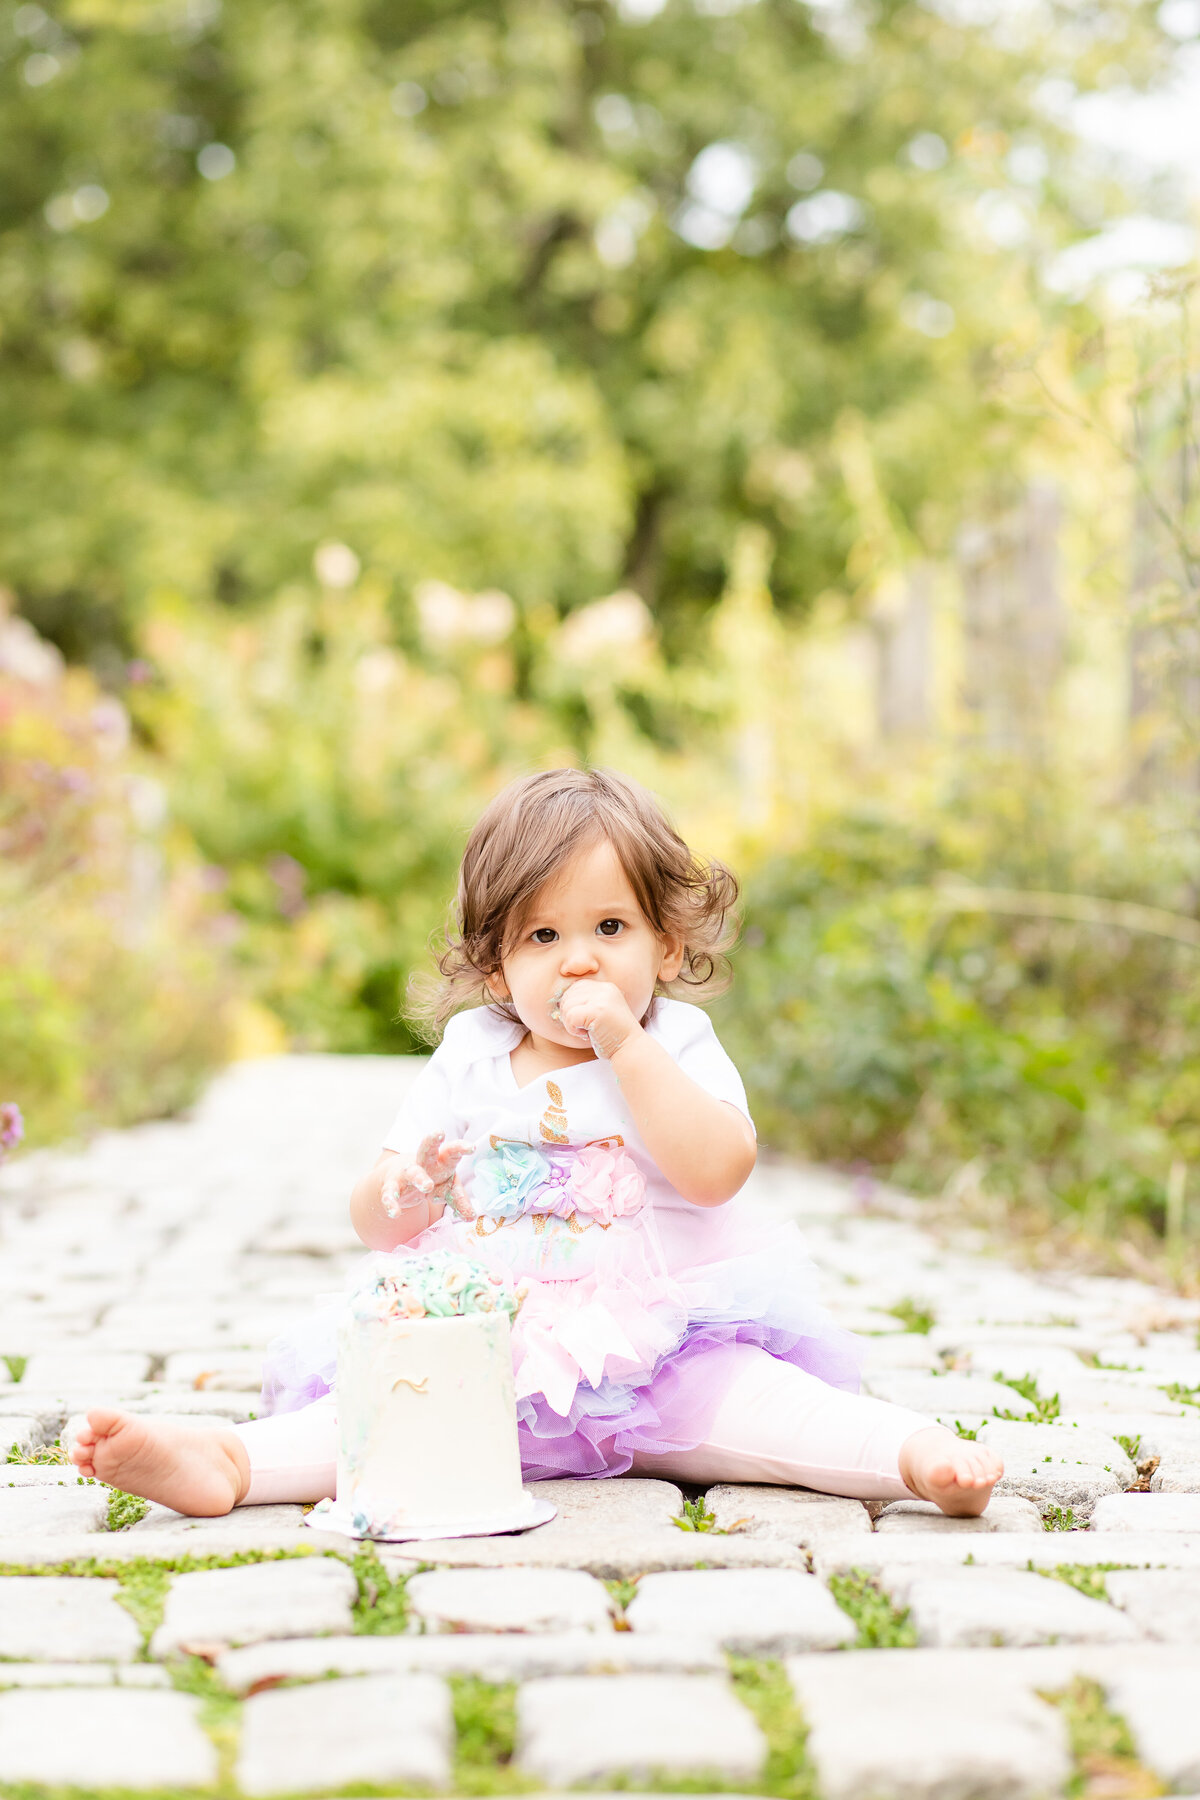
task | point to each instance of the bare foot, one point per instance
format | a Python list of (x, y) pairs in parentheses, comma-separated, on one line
[(201, 1473), (956, 1473)]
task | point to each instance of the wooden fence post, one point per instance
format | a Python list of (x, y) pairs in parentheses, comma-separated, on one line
[(1014, 624)]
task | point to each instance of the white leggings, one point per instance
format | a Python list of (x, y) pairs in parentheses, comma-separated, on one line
[(773, 1423)]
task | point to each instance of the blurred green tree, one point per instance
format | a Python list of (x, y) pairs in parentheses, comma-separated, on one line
[(544, 295)]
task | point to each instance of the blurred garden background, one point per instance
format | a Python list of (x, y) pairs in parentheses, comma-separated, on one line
[(791, 402)]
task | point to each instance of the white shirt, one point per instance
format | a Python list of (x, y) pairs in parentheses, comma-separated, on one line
[(468, 1091)]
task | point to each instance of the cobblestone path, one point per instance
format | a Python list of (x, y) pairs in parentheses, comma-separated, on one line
[(794, 1645)]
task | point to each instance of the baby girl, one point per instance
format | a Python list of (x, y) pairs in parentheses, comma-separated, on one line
[(581, 1131)]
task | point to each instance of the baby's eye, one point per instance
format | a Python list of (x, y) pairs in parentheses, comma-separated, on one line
[(609, 927), (545, 934)]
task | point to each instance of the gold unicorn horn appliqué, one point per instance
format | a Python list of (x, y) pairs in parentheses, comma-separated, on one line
[(553, 1126)]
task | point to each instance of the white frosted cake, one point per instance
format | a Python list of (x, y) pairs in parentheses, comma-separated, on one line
[(426, 1413)]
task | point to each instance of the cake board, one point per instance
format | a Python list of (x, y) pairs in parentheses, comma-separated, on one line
[(327, 1515)]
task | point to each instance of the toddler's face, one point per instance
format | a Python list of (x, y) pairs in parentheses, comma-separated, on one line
[(586, 924)]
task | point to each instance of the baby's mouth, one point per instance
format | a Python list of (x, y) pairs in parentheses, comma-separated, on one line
[(554, 1006)]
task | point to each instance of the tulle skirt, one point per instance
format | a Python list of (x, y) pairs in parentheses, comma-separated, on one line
[(615, 1354)]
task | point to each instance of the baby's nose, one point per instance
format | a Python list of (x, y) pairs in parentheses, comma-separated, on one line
[(578, 959)]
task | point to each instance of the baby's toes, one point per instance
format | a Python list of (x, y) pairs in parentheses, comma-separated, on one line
[(984, 1469)]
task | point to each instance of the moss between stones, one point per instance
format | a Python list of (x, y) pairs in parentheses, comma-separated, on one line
[(485, 1723), (881, 1626), (1086, 1578), (124, 1510), (381, 1609), (1106, 1764)]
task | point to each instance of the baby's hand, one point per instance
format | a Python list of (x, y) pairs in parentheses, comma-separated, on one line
[(439, 1160), (598, 1011), (405, 1187)]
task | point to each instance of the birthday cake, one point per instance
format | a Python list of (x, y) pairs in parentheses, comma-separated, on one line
[(426, 1413)]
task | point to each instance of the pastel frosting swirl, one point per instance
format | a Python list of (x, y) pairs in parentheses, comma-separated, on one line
[(439, 1285)]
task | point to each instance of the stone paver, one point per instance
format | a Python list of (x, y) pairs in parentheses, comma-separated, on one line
[(195, 1538), (490, 1656), (582, 1728), (892, 1551), (210, 1407), (1048, 1364), (97, 1674), (264, 1522), (19, 1432), (950, 1397), (51, 1511), (886, 1725), (1148, 1512), (63, 1618), (1059, 1465), (609, 1555), (82, 1368), (1103, 1391), (964, 1608), (1164, 1603), (509, 1600), (1006, 1512), (610, 1505), (229, 1371), (751, 1612), (104, 1737), (299, 1597), (1176, 1478), (908, 1350), (14, 1475), (152, 1268), (789, 1514), (1159, 1706), (378, 1728)]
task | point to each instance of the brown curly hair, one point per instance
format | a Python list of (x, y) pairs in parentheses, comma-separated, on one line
[(530, 831)]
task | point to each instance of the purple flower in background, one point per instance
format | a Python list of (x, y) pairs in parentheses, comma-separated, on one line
[(12, 1126)]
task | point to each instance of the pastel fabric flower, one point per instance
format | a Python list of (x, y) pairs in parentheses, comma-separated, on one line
[(607, 1184), (505, 1179), (557, 1196)]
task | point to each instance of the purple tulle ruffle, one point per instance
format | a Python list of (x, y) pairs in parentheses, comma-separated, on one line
[(672, 1410)]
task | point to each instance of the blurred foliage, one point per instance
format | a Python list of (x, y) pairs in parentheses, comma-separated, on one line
[(330, 777), (543, 295), (350, 351), (1039, 1064), (110, 992)]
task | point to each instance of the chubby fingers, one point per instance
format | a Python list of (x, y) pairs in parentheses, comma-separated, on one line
[(576, 1014), (85, 1443), (411, 1182), (450, 1155), (429, 1149)]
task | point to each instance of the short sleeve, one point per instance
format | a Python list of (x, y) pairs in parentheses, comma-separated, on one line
[(428, 1106), (689, 1036), (434, 1102)]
